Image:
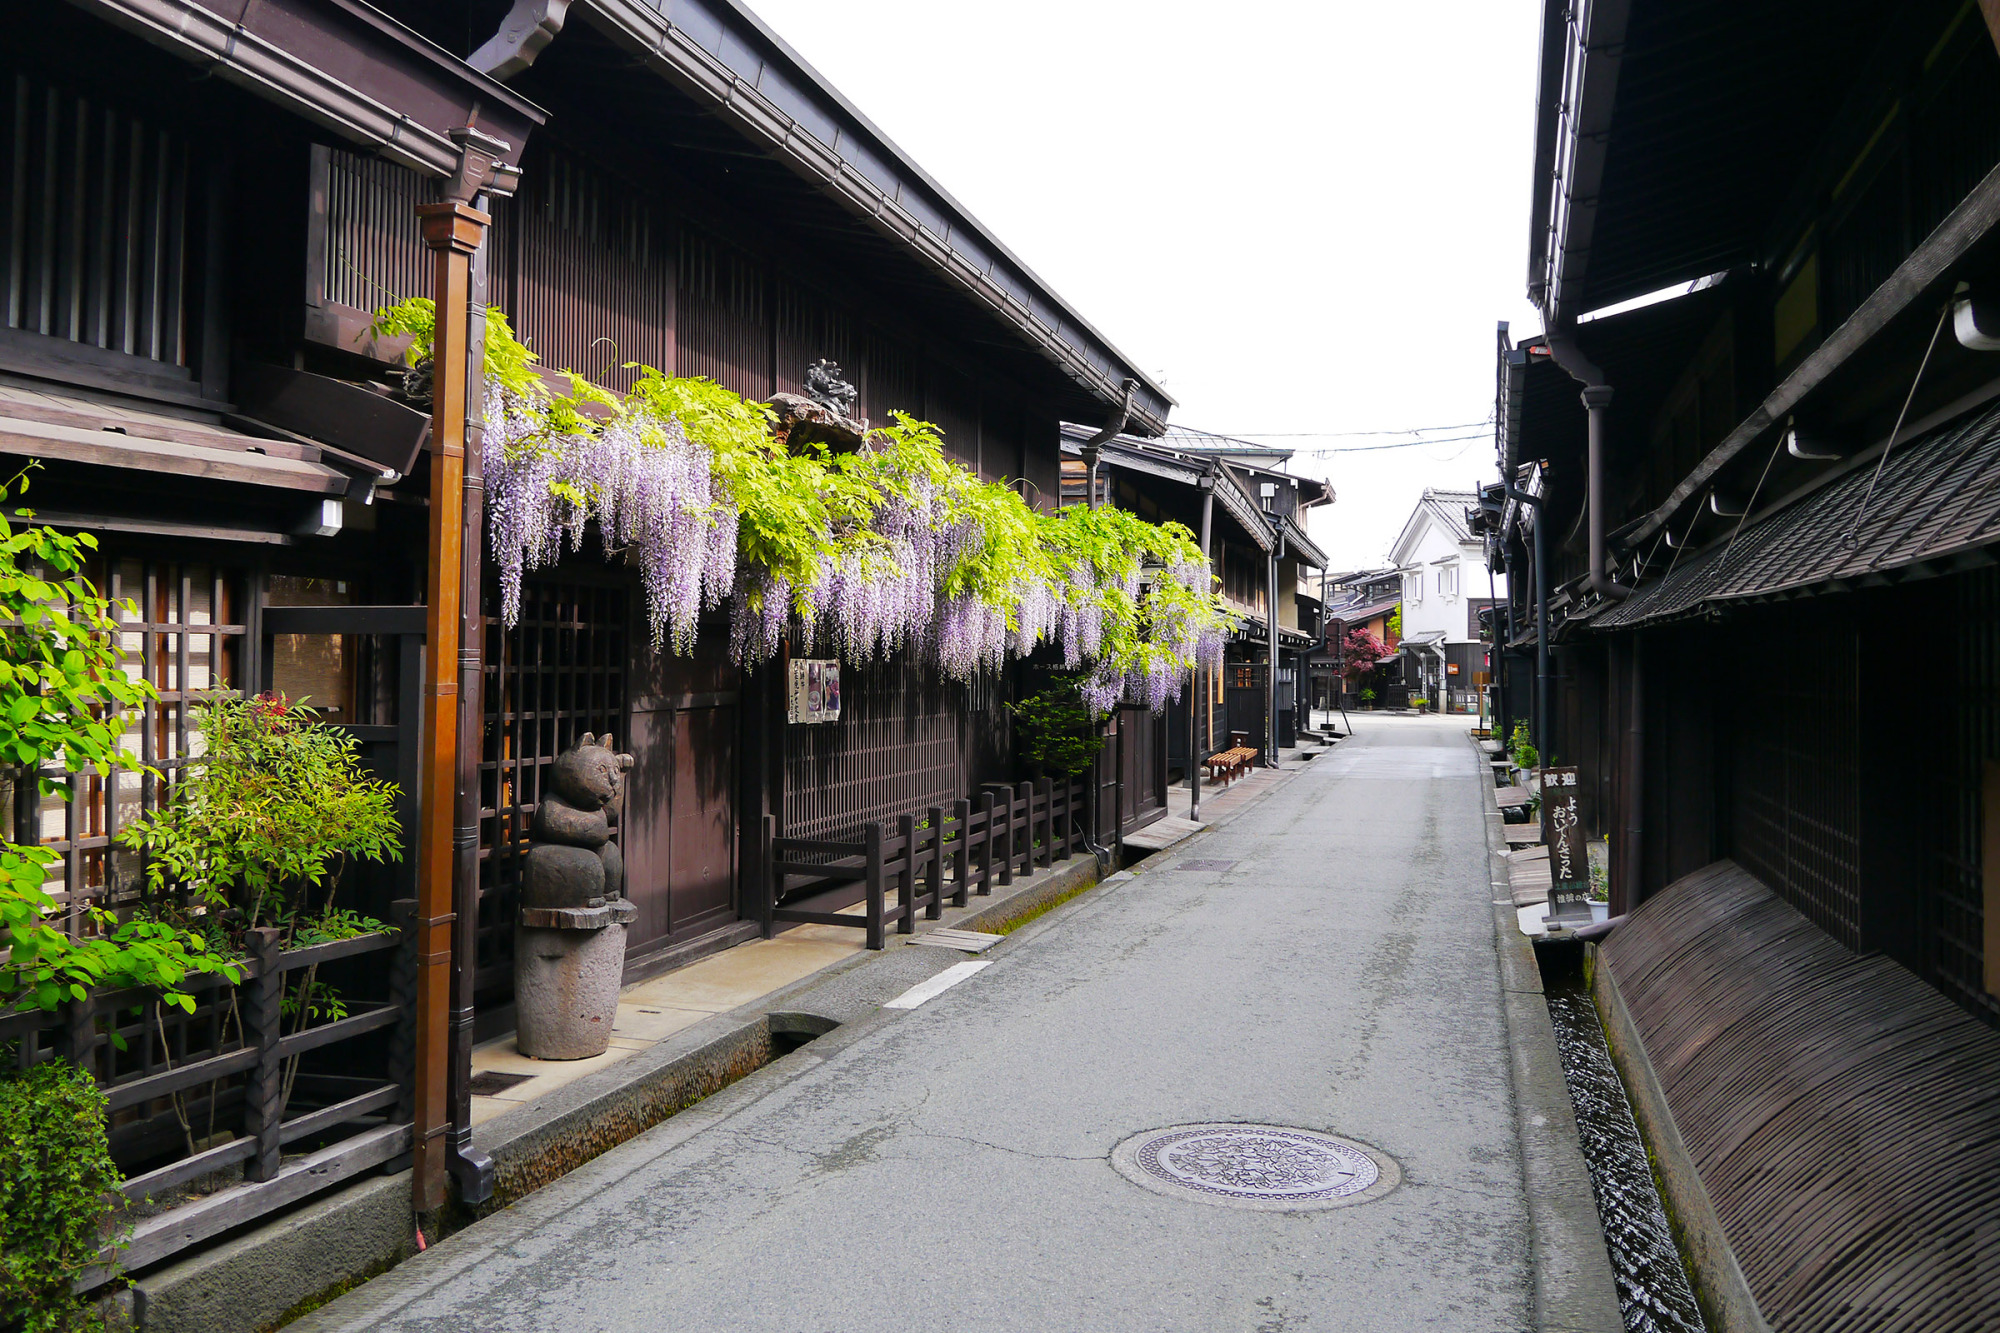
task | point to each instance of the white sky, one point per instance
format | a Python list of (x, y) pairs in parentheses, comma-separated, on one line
[(1298, 217)]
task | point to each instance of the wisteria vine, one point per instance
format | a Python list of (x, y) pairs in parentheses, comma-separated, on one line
[(891, 548)]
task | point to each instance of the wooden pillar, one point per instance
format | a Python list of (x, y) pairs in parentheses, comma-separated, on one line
[(453, 232)]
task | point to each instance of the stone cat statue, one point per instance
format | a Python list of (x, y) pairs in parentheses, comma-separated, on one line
[(571, 860)]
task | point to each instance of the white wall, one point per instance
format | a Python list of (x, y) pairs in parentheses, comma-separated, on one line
[(1430, 605)]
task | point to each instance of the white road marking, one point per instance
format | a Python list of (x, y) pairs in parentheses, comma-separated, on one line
[(936, 986)]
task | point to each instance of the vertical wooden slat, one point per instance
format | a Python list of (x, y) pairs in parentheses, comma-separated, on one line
[(1027, 844), (871, 843), (1045, 799), (961, 854), (263, 1026), (906, 875)]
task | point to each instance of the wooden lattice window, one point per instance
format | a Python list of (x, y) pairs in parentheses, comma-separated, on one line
[(185, 633), (558, 673)]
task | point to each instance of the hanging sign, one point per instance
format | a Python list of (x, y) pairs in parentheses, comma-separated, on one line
[(1451, 668), (814, 693), (1569, 862)]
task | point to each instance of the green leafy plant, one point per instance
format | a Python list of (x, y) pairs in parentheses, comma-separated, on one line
[(1524, 752), (1368, 696), (63, 696), (56, 1180), (1420, 703), (270, 812), (1054, 730), (1600, 881)]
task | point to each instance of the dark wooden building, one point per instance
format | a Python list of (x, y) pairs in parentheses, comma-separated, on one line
[(202, 216), (1758, 449), (1251, 520)]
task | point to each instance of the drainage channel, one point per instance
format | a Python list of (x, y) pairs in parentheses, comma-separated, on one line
[(1653, 1288)]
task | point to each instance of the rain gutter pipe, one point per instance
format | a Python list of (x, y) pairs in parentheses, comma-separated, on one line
[(1597, 402), (1197, 684), (1541, 712), (1271, 631), (1092, 448)]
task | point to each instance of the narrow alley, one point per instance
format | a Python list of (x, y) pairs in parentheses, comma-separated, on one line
[(1325, 960)]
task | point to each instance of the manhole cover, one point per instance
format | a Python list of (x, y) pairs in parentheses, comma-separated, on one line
[(1205, 865), (1269, 1168)]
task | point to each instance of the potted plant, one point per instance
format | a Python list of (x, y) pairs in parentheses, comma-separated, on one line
[(1421, 704), (1600, 889), (1368, 698)]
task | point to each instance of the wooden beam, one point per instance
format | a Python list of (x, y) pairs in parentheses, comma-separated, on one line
[(453, 232)]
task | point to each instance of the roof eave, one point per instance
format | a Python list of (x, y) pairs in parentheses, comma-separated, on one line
[(881, 196)]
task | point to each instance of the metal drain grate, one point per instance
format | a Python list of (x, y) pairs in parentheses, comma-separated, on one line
[(1267, 1168)]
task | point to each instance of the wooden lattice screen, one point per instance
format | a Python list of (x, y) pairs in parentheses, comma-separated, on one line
[(558, 673), (897, 749), (186, 638)]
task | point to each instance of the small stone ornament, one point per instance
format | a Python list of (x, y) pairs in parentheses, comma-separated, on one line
[(569, 943)]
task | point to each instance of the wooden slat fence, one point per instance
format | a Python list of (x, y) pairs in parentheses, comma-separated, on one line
[(950, 853), (189, 1089)]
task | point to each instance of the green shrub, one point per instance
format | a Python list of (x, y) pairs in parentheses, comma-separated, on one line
[(1525, 755), (1055, 730), (56, 1176)]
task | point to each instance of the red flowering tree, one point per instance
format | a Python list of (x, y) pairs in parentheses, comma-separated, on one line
[(1359, 653)]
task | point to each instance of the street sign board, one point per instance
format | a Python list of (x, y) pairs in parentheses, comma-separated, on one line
[(1569, 862)]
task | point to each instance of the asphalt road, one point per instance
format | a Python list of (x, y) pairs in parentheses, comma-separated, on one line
[(948, 1168)]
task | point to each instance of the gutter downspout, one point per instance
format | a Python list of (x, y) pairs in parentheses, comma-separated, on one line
[(1198, 678), (1092, 447), (1271, 631), (1626, 890), (1597, 401), (1540, 721)]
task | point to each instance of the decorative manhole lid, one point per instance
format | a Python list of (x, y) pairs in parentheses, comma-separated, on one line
[(1268, 1168)]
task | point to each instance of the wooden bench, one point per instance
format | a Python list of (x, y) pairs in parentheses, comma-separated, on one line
[(1228, 765)]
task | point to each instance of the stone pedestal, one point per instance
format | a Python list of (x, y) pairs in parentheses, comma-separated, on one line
[(568, 962)]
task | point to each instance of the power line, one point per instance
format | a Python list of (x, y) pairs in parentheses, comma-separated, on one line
[(1326, 434), (1408, 444)]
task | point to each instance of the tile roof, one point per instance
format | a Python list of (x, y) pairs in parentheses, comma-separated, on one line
[(1938, 497)]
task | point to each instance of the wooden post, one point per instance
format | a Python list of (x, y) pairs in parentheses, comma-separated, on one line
[(470, 1168), (1027, 847), (768, 875), (961, 856), (934, 867), (906, 896), (453, 232), (986, 844), (1003, 810), (871, 842), (1045, 793), (263, 1027)]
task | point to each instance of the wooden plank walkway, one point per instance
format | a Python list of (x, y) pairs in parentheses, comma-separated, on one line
[(1523, 835), (1528, 875)]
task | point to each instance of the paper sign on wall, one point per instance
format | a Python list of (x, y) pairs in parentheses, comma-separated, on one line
[(814, 693)]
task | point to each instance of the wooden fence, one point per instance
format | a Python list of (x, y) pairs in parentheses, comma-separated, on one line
[(951, 852), (189, 1095)]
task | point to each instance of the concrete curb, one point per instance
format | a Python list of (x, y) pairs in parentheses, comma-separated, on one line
[(1727, 1303), (1574, 1291)]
